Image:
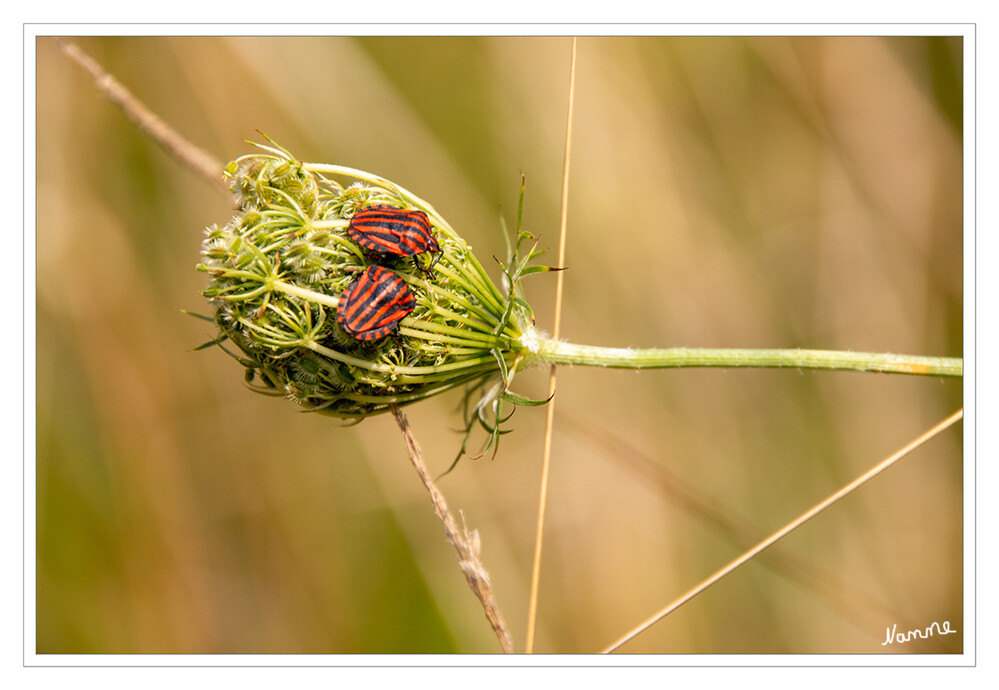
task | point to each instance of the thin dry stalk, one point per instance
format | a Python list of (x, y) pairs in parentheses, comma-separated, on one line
[(790, 527), (862, 607), (464, 542), (532, 608), (146, 120)]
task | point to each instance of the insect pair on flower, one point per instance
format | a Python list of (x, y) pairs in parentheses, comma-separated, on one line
[(373, 305), (312, 264)]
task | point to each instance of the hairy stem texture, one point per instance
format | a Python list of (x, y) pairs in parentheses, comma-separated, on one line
[(556, 352)]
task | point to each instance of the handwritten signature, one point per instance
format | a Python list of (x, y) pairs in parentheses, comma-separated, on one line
[(935, 628)]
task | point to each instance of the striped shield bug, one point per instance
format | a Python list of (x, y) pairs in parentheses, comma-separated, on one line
[(397, 231), (373, 305)]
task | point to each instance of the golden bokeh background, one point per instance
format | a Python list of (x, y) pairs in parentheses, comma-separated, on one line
[(724, 192)]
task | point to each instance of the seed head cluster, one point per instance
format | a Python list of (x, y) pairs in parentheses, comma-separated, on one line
[(278, 270)]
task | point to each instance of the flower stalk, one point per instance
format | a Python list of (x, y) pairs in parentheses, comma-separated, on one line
[(557, 352)]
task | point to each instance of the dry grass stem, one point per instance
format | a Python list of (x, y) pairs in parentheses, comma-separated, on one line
[(790, 527), (146, 120), (860, 606), (464, 542), (532, 610)]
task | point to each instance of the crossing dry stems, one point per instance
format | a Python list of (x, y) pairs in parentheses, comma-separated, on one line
[(119, 96)]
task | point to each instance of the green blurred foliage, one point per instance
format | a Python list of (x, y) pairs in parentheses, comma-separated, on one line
[(762, 192)]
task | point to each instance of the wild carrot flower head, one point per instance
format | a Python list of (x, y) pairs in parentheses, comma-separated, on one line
[(287, 264)]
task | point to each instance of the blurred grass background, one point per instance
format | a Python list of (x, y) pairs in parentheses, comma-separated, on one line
[(725, 192)]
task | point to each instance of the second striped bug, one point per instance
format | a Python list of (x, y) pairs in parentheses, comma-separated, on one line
[(373, 305), (395, 231)]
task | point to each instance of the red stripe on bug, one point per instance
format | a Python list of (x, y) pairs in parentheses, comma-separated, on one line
[(373, 305), (397, 231)]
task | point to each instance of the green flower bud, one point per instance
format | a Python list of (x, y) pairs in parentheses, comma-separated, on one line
[(277, 272)]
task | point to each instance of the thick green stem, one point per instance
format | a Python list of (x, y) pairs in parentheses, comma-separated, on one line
[(545, 351)]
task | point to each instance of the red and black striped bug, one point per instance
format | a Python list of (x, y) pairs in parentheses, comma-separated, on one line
[(373, 305), (397, 231)]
